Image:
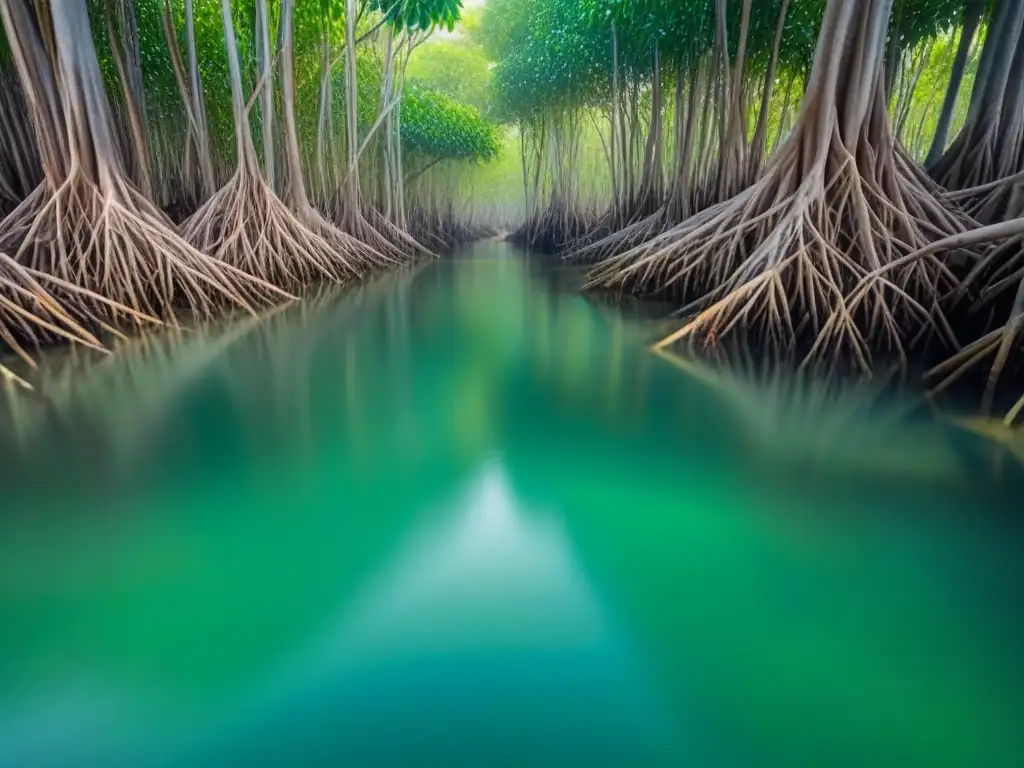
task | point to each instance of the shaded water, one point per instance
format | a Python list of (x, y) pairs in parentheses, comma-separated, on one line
[(461, 516)]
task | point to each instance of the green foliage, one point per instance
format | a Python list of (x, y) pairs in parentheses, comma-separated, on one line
[(547, 55), (923, 113), (435, 125), (682, 31), (559, 52), (457, 67), (917, 20), (419, 14)]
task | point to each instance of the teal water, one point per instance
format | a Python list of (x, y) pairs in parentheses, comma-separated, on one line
[(462, 516)]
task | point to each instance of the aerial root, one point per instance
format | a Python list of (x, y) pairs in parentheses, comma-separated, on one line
[(997, 344), (361, 259), (625, 239), (1000, 270), (30, 315), (248, 229), (375, 227), (117, 256), (826, 260), (553, 229)]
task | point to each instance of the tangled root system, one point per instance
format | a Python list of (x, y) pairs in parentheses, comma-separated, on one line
[(823, 260), (245, 225), (122, 253), (32, 312)]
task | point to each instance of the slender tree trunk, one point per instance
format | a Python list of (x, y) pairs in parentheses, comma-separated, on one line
[(970, 161), (324, 137), (787, 100), (397, 139), (616, 185), (352, 202), (209, 180), (126, 62), (266, 92), (971, 20), (894, 52), (246, 151), (389, 136), (650, 186), (1008, 137), (903, 111), (758, 147), (295, 190), (693, 107)]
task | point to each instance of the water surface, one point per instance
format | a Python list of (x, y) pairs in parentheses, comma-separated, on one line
[(461, 515)]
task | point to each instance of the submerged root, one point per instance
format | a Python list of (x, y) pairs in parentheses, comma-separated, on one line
[(553, 229), (118, 255), (997, 345), (441, 229), (245, 225), (32, 315), (818, 263)]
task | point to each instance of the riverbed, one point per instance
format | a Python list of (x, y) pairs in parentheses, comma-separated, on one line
[(462, 515)]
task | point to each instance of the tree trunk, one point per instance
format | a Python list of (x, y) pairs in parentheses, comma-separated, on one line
[(295, 193), (266, 91), (758, 147), (650, 186), (352, 201), (324, 134), (245, 150), (199, 104), (126, 62), (972, 19), (969, 161), (388, 176), (616, 184)]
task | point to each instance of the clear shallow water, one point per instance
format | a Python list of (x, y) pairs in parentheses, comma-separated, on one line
[(462, 516)]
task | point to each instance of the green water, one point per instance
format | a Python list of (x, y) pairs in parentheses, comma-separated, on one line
[(461, 516)]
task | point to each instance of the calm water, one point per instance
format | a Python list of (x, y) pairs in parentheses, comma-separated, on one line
[(462, 516)]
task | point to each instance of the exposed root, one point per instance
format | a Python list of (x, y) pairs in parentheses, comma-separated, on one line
[(394, 244), (85, 225), (443, 228), (32, 315), (997, 345), (998, 201), (553, 229), (819, 262), (118, 255), (1001, 270), (818, 259), (362, 257), (245, 225), (598, 247)]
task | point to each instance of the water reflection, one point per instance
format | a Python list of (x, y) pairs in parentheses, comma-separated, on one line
[(483, 618), (463, 512)]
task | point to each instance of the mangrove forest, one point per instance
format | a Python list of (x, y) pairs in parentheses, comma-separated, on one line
[(511, 383)]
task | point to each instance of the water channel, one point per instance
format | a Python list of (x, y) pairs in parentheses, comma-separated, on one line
[(462, 515)]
